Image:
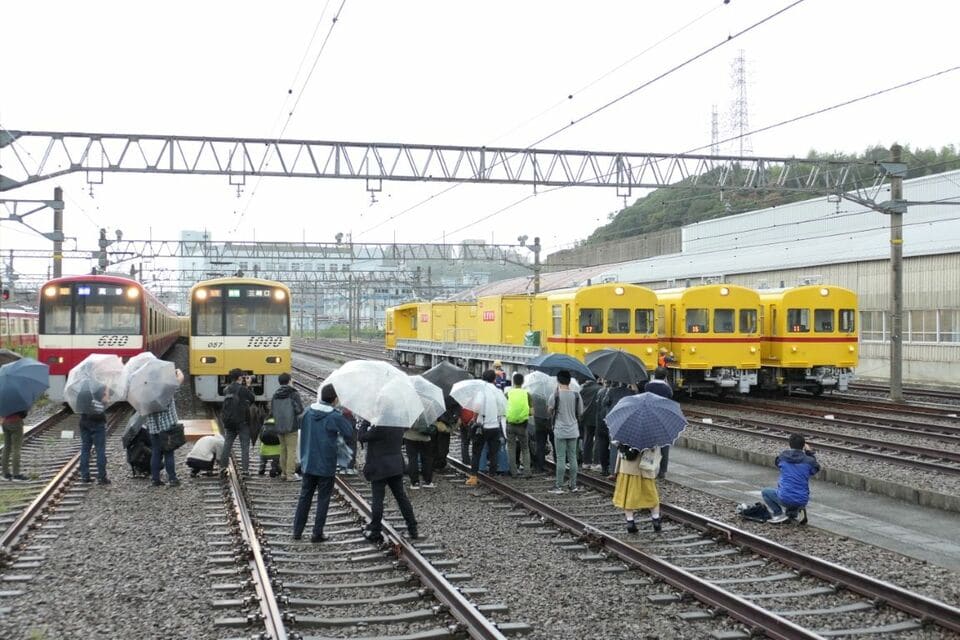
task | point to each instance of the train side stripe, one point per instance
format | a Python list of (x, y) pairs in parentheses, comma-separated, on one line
[(556, 339), (821, 339), (720, 340)]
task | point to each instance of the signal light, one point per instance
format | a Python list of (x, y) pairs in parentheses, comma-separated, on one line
[(6, 293)]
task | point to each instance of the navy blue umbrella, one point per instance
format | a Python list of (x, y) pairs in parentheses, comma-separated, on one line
[(552, 363), (645, 421), (21, 383)]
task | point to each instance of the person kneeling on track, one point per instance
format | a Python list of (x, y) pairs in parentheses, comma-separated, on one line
[(205, 452), (797, 465)]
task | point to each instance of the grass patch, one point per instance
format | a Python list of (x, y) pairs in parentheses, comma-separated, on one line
[(13, 497)]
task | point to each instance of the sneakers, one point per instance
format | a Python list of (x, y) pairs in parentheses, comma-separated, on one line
[(373, 536), (174, 483), (8, 476), (429, 485), (158, 483), (472, 481), (19, 478), (104, 481), (632, 526), (349, 472), (415, 485), (413, 534), (297, 536), (556, 490), (777, 519), (318, 539), (574, 489), (656, 524), (86, 480)]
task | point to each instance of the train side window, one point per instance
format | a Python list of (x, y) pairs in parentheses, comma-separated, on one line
[(848, 320), (643, 321), (662, 321), (697, 320), (798, 320), (823, 320), (3, 326), (591, 321), (748, 320), (26, 326), (618, 321), (723, 321), (556, 314)]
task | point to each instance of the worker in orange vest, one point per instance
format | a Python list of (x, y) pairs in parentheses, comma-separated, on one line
[(665, 357)]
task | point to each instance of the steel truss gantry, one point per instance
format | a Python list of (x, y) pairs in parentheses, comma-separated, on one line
[(33, 156)]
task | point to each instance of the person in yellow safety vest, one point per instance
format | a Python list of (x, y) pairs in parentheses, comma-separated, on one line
[(519, 408), (665, 357)]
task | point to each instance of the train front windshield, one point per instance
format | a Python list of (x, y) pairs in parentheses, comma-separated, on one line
[(90, 309), (240, 310)]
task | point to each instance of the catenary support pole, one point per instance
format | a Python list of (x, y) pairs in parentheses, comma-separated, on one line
[(58, 232), (896, 283), (536, 265)]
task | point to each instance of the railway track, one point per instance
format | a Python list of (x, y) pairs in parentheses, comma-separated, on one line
[(771, 589), (341, 350), (916, 392)]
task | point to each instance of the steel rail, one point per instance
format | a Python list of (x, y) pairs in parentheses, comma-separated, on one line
[(475, 623), (930, 393), (773, 625), (858, 403), (270, 613), (53, 490), (825, 446)]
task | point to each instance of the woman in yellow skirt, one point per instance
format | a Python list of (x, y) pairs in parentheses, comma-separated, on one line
[(636, 486)]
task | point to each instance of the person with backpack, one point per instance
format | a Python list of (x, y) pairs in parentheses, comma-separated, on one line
[(320, 428), (286, 408), (797, 465), (157, 424), (565, 411), (519, 406), (488, 430), (636, 486), (270, 449), (92, 401), (237, 399)]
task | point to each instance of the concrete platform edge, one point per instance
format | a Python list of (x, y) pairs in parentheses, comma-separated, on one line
[(857, 481)]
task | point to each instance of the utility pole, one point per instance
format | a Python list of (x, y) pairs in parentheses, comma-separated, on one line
[(536, 265), (57, 232), (896, 281)]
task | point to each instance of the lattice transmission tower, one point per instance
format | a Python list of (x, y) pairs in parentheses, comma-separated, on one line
[(739, 108), (714, 132)]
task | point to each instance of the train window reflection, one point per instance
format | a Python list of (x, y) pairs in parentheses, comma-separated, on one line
[(748, 320), (643, 321), (847, 320), (254, 314), (104, 310), (697, 320), (723, 321), (798, 320), (823, 320), (618, 321), (591, 321), (55, 317), (208, 315)]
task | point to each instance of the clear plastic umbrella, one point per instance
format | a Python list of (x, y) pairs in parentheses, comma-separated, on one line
[(431, 396), (540, 384), (377, 392), (152, 385), (479, 396), (137, 361), (96, 383)]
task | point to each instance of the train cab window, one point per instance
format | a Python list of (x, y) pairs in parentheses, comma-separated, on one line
[(207, 314), (798, 320), (723, 321), (823, 320), (643, 321), (591, 321), (253, 311), (105, 310), (556, 314), (55, 315), (748, 320), (697, 320), (618, 321), (847, 320)]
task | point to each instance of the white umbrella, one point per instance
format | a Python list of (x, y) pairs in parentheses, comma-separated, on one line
[(152, 386), (96, 383), (479, 396), (431, 396), (377, 392), (137, 361), (540, 384)]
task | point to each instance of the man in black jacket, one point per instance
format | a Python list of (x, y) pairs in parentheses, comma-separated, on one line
[(236, 419), (384, 467)]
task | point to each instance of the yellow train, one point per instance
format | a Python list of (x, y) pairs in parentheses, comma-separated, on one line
[(712, 336), (239, 323), (515, 328), (809, 339)]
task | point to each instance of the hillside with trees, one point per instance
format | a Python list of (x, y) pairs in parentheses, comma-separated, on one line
[(684, 203)]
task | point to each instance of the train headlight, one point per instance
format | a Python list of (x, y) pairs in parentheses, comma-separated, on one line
[(279, 294), (50, 292), (724, 291), (208, 359), (753, 349), (274, 359), (55, 360), (693, 349), (649, 350), (850, 349), (133, 293), (824, 291), (201, 294), (618, 291), (793, 349)]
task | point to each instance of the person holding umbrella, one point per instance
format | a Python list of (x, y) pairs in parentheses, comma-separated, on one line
[(12, 441), (636, 486), (21, 383), (157, 423)]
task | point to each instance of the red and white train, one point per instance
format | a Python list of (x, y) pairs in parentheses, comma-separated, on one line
[(17, 328), (80, 315)]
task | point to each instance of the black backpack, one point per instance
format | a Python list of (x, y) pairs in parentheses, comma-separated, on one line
[(235, 407)]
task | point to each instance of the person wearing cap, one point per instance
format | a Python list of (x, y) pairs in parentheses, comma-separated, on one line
[(319, 430), (500, 382)]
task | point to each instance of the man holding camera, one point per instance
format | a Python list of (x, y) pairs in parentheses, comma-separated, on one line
[(237, 399)]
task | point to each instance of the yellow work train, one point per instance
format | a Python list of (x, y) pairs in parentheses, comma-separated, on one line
[(515, 328), (241, 323), (809, 339)]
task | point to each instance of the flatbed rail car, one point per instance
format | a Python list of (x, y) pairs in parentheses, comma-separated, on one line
[(712, 334), (80, 315), (516, 328), (241, 323), (809, 340)]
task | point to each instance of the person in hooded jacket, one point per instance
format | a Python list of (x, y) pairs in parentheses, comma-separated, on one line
[(320, 427), (797, 465), (384, 468), (286, 407)]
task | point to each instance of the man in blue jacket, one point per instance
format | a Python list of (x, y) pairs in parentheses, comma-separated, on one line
[(319, 428), (797, 465)]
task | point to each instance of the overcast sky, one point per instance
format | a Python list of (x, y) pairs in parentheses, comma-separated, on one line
[(496, 72)]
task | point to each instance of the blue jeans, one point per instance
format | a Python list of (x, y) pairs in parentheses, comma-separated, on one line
[(93, 433), (323, 485), (168, 458), (773, 501)]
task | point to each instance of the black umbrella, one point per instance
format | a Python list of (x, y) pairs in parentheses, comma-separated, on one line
[(552, 363), (618, 366), (445, 375)]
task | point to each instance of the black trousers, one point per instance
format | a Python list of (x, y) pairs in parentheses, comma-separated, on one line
[(664, 461), (465, 444), (490, 437), (419, 460), (379, 489)]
